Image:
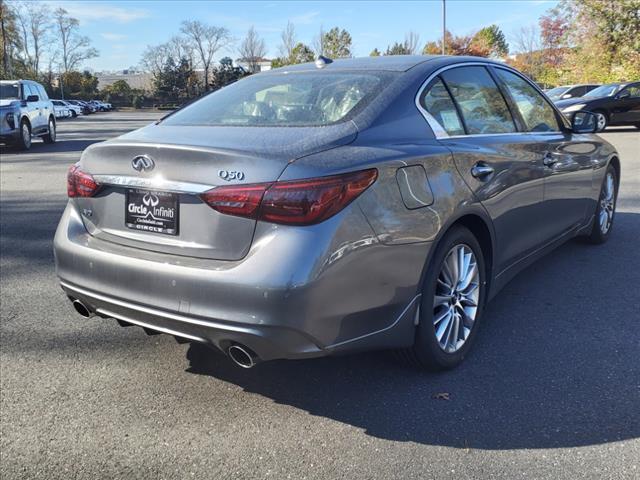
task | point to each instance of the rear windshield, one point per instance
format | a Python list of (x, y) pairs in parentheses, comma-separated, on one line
[(296, 100), (9, 91), (603, 91)]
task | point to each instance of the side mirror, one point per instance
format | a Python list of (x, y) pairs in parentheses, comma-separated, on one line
[(33, 98), (623, 94), (584, 122)]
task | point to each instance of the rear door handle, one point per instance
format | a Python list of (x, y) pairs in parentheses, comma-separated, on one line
[(549, 160), (481, 170)]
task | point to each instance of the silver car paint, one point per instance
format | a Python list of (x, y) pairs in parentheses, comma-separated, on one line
[(351, 282)]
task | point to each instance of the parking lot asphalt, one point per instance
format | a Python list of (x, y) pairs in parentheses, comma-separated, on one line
[(551, 389)]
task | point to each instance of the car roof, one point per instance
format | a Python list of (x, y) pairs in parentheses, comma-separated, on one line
[(397, 63)]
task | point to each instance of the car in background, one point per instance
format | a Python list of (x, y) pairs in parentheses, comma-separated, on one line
[(25, 112), (337, 206), (569, 91), (60, 108), (101, 106), (74, 109), (613, 103)]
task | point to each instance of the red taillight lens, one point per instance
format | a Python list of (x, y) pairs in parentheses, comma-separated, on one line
[(298, 202), (241, 200), (80, 184)]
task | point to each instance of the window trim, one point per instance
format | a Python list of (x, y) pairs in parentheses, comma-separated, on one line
[(440, 132)]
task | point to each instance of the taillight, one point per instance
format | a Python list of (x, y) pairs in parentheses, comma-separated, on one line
[(297, 202), (80, 184)]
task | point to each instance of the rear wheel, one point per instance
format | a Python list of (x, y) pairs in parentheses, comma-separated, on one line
[(50, 137), (453, 297), (73, 114), (24, 140), (601, 120), (605, 212)]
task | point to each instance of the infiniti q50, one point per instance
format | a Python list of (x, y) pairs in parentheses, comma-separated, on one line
[(332, 207)]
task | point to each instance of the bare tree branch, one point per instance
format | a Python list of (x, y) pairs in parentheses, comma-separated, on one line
[(252, 49), (206, 41), (288, 38)]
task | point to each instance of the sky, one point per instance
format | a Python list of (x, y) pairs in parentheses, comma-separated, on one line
[(121, 29)]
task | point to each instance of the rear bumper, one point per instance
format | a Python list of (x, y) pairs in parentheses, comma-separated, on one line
[(299, 292)]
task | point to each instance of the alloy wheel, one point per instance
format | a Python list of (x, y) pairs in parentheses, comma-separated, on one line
[(52, 130), (455, 303), (602, 121), (607, 203)]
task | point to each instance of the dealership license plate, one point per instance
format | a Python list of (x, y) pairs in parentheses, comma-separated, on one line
[(152, 211)]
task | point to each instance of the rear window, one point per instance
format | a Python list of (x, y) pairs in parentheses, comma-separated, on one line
[(297, 99), (9, 91)]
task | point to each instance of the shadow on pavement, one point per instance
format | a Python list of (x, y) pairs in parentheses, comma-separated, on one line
[(555, 365)]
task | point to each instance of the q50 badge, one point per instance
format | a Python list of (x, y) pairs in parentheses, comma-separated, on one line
[(230, 176)]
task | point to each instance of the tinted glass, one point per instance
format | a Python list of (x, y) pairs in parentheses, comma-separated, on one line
[(537, 114), (482, 106), (603, 91), (42, 93), (437, 101), (297, 99), (8, 91), (634, 91)]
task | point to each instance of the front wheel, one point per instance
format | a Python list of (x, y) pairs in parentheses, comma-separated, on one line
[(24, 140), (50, 137), (601, 121), (606, 209), (453, 297)]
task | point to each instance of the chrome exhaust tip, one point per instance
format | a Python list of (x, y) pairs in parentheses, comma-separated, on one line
[(82, 309), (242, 356)]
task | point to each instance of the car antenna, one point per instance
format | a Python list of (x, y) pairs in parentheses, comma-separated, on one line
[(323, 61)]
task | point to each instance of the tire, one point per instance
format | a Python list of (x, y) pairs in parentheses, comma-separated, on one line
[(73, 114), (50, 137), (24, 139), (606, 209), (434, 346), (602, 120)]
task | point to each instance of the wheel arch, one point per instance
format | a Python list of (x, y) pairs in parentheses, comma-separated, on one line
[(477, 221), (615, 163)]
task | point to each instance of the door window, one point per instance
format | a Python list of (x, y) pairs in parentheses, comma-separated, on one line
[(634, 91), (483, 109), (437, 101), (42, 92), (537, 114)]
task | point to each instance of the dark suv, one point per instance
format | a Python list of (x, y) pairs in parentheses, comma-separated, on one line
[(25, 111)]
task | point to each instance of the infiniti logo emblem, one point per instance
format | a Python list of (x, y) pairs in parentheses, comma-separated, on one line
[(143, 163), (150, 200)]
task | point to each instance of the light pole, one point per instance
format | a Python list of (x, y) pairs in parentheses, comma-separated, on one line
[(444, 26)]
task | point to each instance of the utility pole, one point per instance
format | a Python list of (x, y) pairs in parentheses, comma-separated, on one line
[(444, 26)]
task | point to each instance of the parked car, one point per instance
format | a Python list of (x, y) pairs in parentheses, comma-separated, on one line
[(324, 208), (569, 91), (613, 104), (101, 106), (84, 108), (25, 112), (74, 109), (60, 109)]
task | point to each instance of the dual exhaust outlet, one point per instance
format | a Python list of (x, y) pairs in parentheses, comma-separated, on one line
[(239, 354)]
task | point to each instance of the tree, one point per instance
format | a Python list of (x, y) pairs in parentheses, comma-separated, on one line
[(225, 74), (175, 81), (252, 50), (336, 43), (74, 48), (301, 53), (492, 40), (34, 20), (10, 38), (529, 57), (397, 49), (375, 53), (206, 41), (288, 39), (456, 45), (411, 41)]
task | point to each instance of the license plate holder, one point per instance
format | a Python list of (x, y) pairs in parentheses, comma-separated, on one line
[(151, 211)]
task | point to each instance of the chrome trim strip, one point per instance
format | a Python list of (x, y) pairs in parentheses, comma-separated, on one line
[(441, 133), (152, 183)]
